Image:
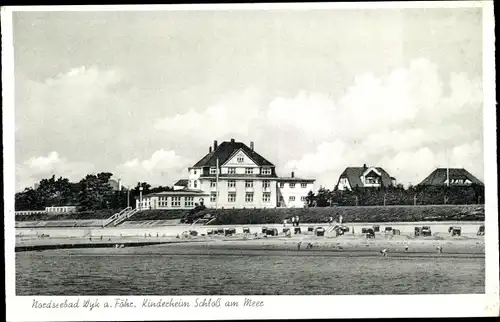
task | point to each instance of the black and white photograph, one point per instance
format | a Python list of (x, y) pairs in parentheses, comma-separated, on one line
[(220, 157)]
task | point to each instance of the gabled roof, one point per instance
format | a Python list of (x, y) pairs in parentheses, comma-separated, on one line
[(225, 150), (182, 183), (353, 174), (438, 177)]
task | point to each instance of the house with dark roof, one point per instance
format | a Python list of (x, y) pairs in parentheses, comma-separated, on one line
[(364, 177), (232, 175), (181, 184), (451, 177)]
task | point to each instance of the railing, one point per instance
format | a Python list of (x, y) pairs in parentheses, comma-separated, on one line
[(115, 216), (129, 213)]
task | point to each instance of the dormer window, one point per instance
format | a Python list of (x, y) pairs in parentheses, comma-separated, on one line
[(213, 170), (240, 159), (266, 171)]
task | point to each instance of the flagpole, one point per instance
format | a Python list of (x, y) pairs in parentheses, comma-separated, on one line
[(217, 183), (447, 169)]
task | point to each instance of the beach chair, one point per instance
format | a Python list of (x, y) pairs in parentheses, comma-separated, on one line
[(320, 231), (264, 229), (376, 228), (297, 230), (480, 231), (456, 231), (246, 230)]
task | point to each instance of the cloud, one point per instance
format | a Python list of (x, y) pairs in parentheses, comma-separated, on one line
[(37, 168), (235, 113), (403, 122), (162, 168)]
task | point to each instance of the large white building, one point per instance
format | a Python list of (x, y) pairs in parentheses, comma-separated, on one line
[(232, 175)]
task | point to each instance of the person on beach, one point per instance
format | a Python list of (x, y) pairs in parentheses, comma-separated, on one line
[(293, 221), (101, 237), (298, 245), (406, 247), (384, 252), (157, 235), (297, 219), (439, 249), (330, 220), (284, 222)]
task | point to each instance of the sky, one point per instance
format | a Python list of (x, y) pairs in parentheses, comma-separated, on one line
[(144, 94)]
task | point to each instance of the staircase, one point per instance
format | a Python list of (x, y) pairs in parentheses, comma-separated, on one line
[(127, 214), (119, 217)]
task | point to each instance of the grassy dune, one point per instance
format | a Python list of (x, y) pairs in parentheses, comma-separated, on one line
[(307, 215), (349, 214)]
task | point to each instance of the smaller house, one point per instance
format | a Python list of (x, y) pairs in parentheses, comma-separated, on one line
[(180, 199), (181, 184), (364, 177), (456, 176), (60, 209)]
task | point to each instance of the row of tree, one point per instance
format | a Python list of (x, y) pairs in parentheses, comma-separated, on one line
[(397, 195), (91, 193)]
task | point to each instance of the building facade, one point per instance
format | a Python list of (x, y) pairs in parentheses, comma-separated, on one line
[(364, 177), (232, 175), (292, 191)]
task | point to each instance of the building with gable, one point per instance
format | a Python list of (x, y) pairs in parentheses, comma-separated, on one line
[(455, 176), (364, 177), (232, 175)]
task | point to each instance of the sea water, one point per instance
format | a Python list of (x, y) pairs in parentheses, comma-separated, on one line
[(156, 270)]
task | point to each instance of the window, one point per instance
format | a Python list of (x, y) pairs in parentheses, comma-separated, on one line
[(248, 184), (213, 197), (266, 184), (292, 185), (231, 197), (231, 170), (176, 201), (248, 171), (213, 171), (249, 197), (266, 197), (291, 198), (231, 184), (189, 201), (240, 159), (282, 185), (213, 184), (195, 184), (162, 201), (195, 172), (371, 180), (303, 185), (266, 171), (303, 198)]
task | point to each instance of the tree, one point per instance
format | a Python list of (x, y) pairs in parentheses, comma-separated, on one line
[(310, 198), (323, 197), (95, 192), (29, 199)]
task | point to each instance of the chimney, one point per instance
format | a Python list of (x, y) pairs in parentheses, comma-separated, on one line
[(251, 145), (209, 149), (364, 166), (293, 174), (232, 140), (215, 145)]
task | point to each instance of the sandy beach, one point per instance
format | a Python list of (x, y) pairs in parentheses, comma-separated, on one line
[(393, 244)]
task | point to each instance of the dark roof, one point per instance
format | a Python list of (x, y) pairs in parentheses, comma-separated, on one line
[(182, 183), (438, 177), (226, 150), (353, 174)]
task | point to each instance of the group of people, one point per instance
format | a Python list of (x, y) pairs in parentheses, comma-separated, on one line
[(295, 221)]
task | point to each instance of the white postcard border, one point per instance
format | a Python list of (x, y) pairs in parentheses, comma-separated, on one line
[(19, 308)]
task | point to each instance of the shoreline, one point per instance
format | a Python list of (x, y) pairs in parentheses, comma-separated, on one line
[(395, 245)]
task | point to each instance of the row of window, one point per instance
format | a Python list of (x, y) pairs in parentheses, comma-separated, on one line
[(292, 198), (249, 197), (175, 202), (292, 185), (248, 184), (265, 171)]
